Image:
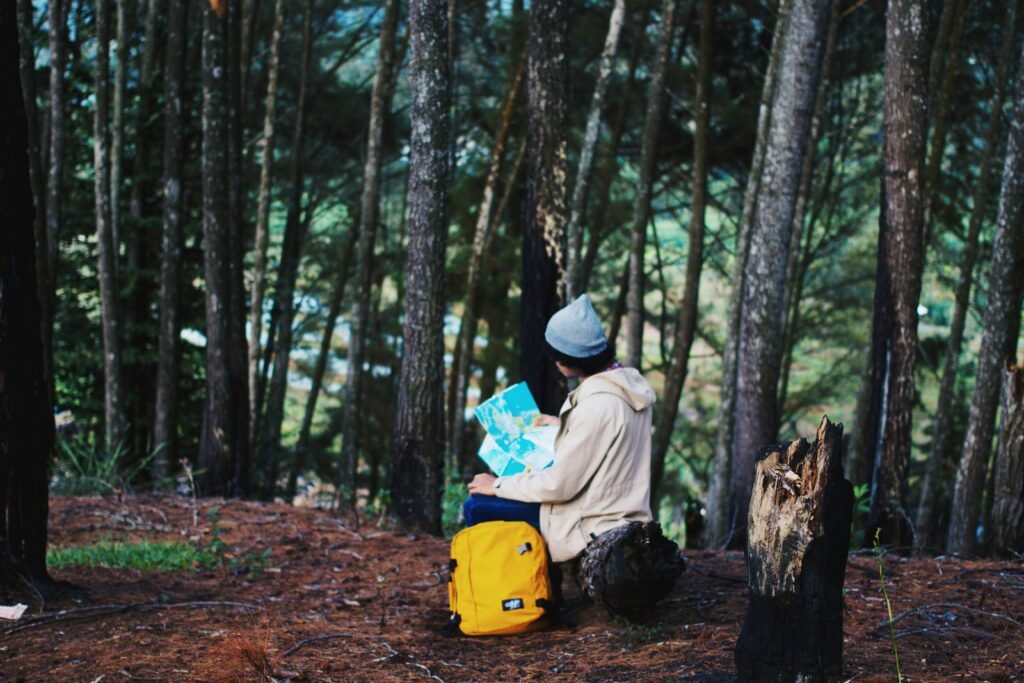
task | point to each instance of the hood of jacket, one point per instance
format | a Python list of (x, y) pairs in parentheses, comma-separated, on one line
[(626, 383)]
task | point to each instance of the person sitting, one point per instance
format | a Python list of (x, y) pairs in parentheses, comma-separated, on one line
[(601, 475)]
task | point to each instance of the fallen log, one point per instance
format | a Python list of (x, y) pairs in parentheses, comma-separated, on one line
[(798, 536), (629, 569)]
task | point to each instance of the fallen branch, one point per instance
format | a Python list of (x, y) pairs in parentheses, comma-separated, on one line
[(944, 605), (329, 636), (104, 610)]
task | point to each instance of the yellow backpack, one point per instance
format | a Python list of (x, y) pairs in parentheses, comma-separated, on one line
[(499, 580)]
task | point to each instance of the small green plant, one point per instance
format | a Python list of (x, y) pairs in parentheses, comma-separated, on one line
[(81, 469), (861, 507), (218, 554), (452, 498), (147, 556), (888, 606)]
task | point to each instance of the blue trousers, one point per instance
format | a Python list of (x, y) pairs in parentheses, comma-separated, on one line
[(479, 508)]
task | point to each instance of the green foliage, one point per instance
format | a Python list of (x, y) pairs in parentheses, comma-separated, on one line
[(861, 507), (147, 556), (217, 554), (879, 553), (83, 470), (451, 506)]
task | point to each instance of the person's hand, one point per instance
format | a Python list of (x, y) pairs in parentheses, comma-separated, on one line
[(482, 484), (542, 420)]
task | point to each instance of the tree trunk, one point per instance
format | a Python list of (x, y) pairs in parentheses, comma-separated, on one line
[(317, 378), (147, 98), (938, 455), (291, 255), (27, 65), (57, 14), (117, 128), (898, 280), (797, 259), (1002, 304), (687, 323), (544, 216), (629, 569), (26, 418), (262, 238), (1005, 528), (165, 420), (722, 519), (106, 249), (485, 221), (642, 195), (223, 452), (574, 229), (760, 331), (797, 542), (369, 207), (417, 462)]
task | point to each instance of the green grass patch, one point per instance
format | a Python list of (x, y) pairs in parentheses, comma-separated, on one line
[(148, 556)]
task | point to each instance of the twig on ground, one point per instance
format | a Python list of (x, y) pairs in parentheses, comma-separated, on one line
[(965, 608), (329, 636), (946, 630), (103, 610)]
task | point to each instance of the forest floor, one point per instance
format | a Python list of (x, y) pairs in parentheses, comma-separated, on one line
[(339, 601)]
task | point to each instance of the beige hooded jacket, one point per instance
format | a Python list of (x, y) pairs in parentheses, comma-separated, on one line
[(601, 477)]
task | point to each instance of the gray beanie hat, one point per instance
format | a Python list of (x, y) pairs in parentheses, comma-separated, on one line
[(576, 331)]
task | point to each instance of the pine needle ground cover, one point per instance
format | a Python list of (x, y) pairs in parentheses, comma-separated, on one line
[(340, 599)]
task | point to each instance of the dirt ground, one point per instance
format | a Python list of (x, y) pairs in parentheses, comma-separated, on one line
[(346, 600)]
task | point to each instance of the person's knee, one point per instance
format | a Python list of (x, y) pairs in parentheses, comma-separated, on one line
[(469, 511)]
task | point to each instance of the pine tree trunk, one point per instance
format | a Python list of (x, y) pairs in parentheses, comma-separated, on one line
[(369, 207), (645, 180), (1002, 303), (26, 418), (760, 331), (117, 128), (417, 462), (222, 452), (900, 254), (687, 323), (291, 255), (114, 419), (485, 221), (574, 229), (722, 520), (543, 253), (27, 66), (317, 378), (165, 419), (262, 238), (797, 543), (147, 99), (1005, 528), (57, 14), (938, 456)]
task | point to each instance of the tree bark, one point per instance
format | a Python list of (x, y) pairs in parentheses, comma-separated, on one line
[(485, 221), (797, 543), (223, 452), (938, 455), (687, 323), (722, 519), (574, 229), (369, 207), (760, 331), (117, 127), (262, 238), (291, 255), (26, 418), (1006, 523), (1002, 303), (113, 409), (165, 420), (645, 180), (544, 216), (900, 255), (57, 14), (417, 462), (27, 65)]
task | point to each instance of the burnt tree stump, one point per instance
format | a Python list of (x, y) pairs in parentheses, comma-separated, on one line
[(629, 569), (798, 536)]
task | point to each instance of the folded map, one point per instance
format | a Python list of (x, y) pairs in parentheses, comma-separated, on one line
[(513, 444)]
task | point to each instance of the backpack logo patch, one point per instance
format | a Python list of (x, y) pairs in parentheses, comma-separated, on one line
[(511, 604), (525, 548)]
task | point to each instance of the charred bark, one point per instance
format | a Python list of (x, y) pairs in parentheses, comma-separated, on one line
[(1006, 523), (798, 537)]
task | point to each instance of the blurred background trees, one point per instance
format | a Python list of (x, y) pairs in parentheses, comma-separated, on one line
[(232, 245)]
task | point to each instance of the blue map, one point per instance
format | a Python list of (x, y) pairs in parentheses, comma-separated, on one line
[(513, 445)]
